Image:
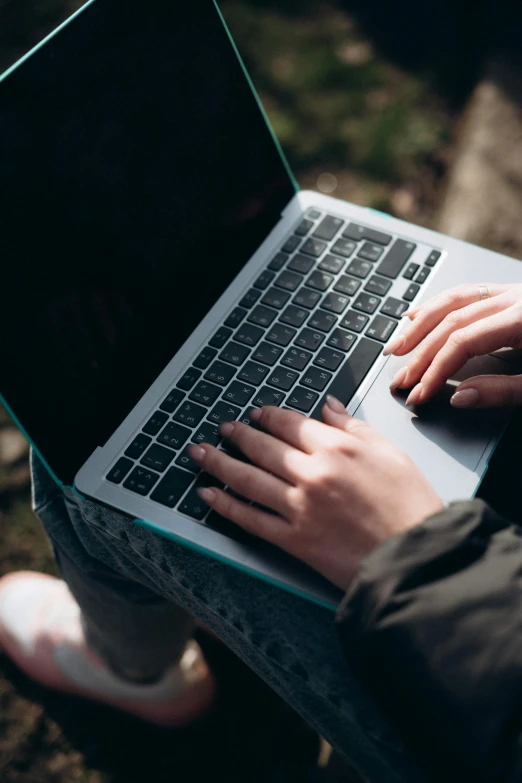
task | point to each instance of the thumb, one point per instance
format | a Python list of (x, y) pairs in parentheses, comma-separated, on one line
[(489, 391), (335, 414)]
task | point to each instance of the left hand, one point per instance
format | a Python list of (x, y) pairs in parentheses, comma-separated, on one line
[(338, 488)]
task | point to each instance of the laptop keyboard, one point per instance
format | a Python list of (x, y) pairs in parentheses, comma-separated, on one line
[(313, 323)]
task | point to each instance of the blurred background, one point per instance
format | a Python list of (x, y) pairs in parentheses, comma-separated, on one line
[(408, 107)]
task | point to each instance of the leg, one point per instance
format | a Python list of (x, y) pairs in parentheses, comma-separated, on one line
[(286, 640)]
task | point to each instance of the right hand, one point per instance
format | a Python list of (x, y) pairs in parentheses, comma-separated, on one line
[(454, 326)]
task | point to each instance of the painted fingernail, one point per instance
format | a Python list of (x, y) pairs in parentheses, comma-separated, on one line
[(255, 414), (394, 345), (196, 452), (398, 378), (415, 395), (467, 398), (226, 429), (334, 404), (207, 494)]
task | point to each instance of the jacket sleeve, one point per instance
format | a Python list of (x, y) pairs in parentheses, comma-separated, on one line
[(432, 626)]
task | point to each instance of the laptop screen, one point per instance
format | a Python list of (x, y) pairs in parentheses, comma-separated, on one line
[(137, 177)]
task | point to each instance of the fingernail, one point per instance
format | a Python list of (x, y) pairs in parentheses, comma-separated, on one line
[(398, 378), (255, 414), (334, 404), (415, 395), (467, 398), (206, 494), (394, 345), (227, 428), (196, 452)]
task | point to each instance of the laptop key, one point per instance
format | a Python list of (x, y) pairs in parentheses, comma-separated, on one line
[(205, 357), (313, 214), (253, 373), (245, 417), (267, 354), (251, 297), (248, 334), (268, 396), (411, 292), (155, 423), (305, 297), (381, 328), (351, 374), (309, 339), (118, 472), (158, 457), (280, 334), (396, 257), (359, 268), (205, 393), (331, 264), (329, 359), (234, 353), (289, 281), (238, 393), (282, 378), (322, 320), (141, 480), (423, 275), (314, 247), (328, 227), (193, 506), (291, 244), (378, 285), (220, 337), (185, 461), (433, 257), (303, 399), (207, 433), (278, 262), (366, 303), (354, 231), (354, 321), (410, 271), (319, 280), (219, 372), (341, 340), (347, 285), (138, 446), (223, 412), (275, 298), (189, 413), (343, 248), (335, 303), (370, 251), (316, 379), (394, 307), (304, 227), (235, 317), (294, 316), (189, 378), (173, 399), (264, 279), (173, 435), (301, 264), (262, 316), (172, 486), (296, 358)]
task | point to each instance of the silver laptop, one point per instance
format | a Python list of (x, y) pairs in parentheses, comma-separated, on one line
[(162, 273)]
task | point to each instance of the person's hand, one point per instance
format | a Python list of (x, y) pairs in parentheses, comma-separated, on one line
[(337, 489), (454, 326)]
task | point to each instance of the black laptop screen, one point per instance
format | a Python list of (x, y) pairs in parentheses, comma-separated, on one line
[(137, 176)]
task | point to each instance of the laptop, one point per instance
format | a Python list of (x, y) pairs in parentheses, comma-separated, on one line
[(162, 273)]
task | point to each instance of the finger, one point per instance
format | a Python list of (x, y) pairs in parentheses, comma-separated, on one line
[(489, 391), (428, 315), (266, 451), (247, 480), (477, 339), (293, 428), (433, 343), (253, 520), (335, 415)]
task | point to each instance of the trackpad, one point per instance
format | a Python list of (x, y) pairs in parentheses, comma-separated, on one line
[(447, 444)]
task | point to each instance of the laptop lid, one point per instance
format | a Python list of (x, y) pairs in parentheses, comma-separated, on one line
[(138, 176)]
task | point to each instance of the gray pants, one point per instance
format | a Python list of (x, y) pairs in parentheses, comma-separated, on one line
[(139, 593)]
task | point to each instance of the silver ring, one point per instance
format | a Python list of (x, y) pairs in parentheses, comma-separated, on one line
[(483, 292)]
